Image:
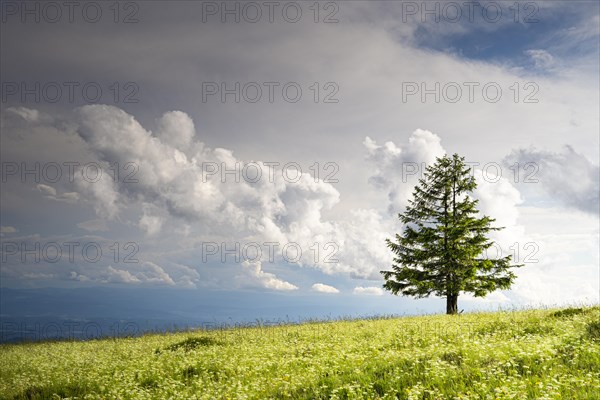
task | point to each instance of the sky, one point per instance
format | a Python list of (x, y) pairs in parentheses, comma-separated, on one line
[(237, 150)]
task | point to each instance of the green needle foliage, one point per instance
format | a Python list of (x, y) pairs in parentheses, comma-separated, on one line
[(442, 249)]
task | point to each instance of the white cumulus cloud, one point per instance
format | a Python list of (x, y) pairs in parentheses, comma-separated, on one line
[(369, 290), (254, 275), (322, 288)]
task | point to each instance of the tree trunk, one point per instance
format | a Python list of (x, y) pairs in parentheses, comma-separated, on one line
[(452, 304)]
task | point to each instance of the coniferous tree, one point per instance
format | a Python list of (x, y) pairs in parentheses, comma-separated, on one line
[(443, 247)]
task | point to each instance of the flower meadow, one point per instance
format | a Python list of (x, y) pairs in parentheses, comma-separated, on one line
[(527, 354)]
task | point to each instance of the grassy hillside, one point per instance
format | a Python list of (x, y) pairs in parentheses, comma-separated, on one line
[(541, 354)]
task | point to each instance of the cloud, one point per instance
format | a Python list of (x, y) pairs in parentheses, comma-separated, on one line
[(47, 190), (94, 225), (254, 275), (102, 192), (500, 200), (152, 273), (561, 257), (177, 129), (41, 276), (567, 177), (8, 229), (369, 290), (558, 285), (178, 182), (178, 196), (51, 193), (397, 169), (183, 275), (91, 258), (151, 224), (322, 288), (363, 246), (69, 197), (114, 275), (541, 58), (176, 206), (29, 115), (145, 272), (79, 277)]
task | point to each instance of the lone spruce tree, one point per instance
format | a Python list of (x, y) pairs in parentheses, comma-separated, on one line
[(442, 248)]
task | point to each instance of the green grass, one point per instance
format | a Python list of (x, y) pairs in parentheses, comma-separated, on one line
[(532, 354)]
